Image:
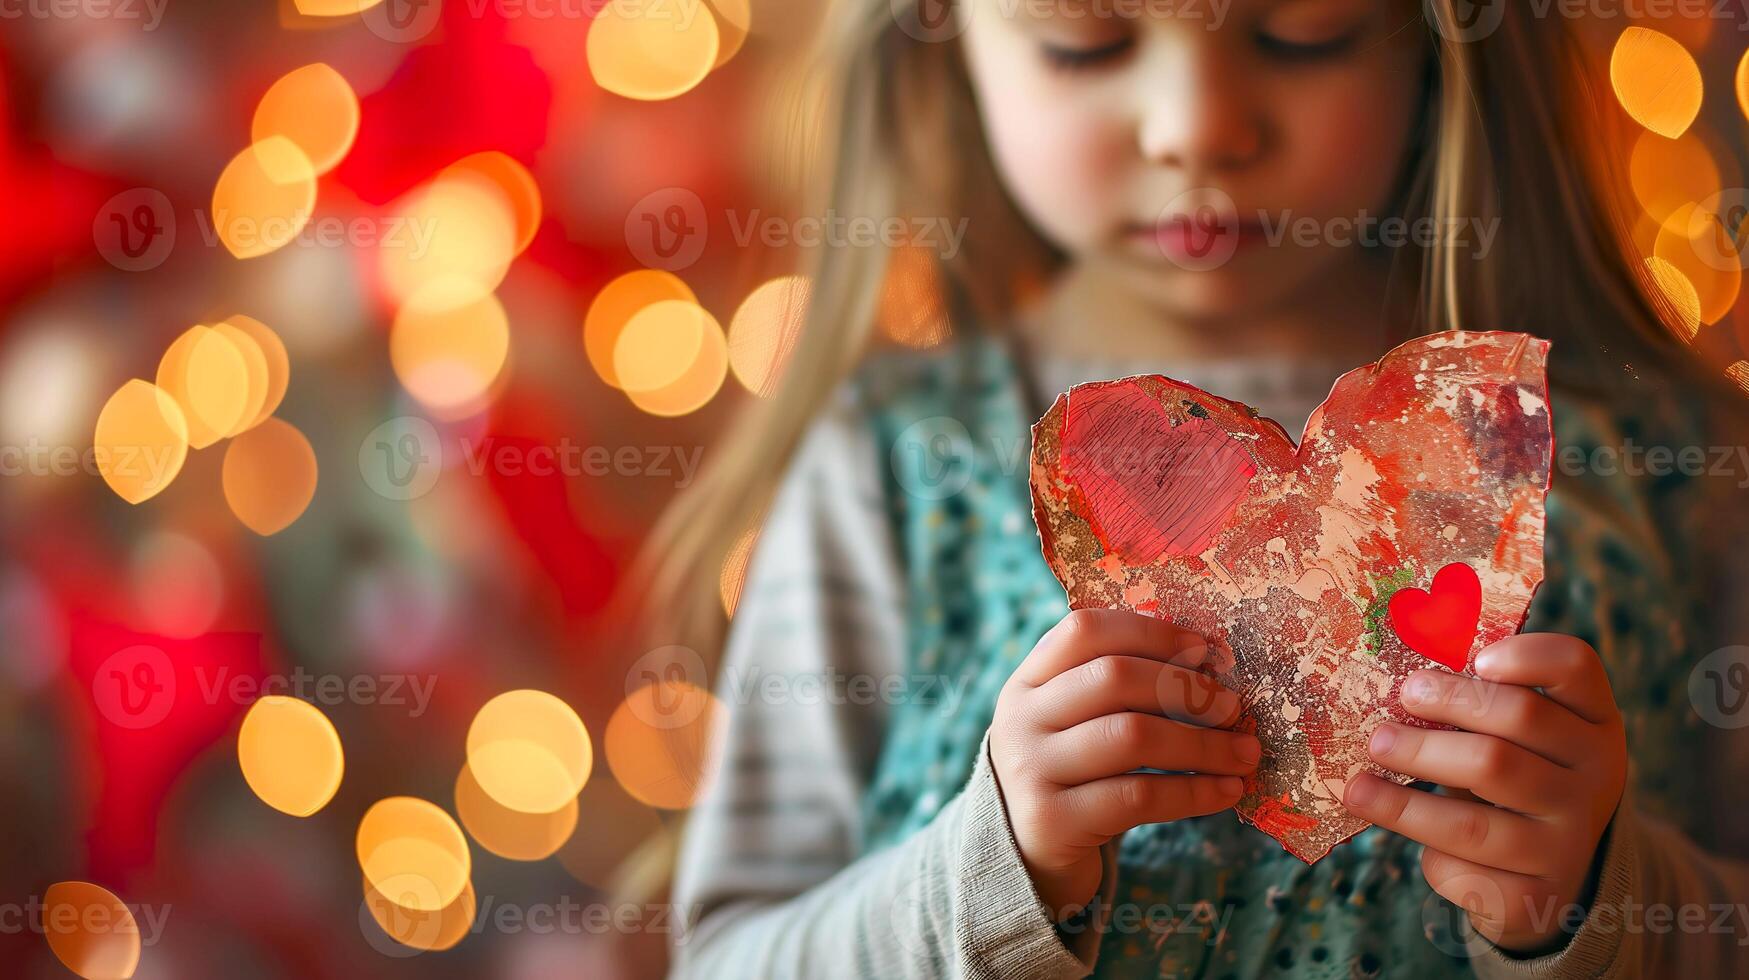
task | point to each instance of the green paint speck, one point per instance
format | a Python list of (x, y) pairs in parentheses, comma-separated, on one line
[(1378, 611)]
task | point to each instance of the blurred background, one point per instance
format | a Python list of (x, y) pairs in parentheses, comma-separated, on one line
[(346, 357)]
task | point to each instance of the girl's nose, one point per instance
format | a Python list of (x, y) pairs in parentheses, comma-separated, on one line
[(1196, 111)]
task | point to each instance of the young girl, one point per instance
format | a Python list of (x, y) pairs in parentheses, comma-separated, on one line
[(959, 776)]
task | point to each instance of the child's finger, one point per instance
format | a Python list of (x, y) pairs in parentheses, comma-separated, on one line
[(1088, 634), (1565, 667), (1120, 743), (1517, 714), (1114, 684), (1476, 832), (1108, 807), (1490, 896), (1499, 771)]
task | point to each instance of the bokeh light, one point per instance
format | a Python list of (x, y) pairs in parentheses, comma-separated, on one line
[(432, 932), (255, 370), (177, 585), (509, 833), (333, 8), (671, 358), (1656, 80), (91, 931), (512, 180), (264, 197), (764, 330), (614, 307), (274, 360), (448, 354), (663, 743), (733, 577), (209, 377), (453, 242), (1743, 84), (269, 476), (1684, 242), (529, 751), (1666, 174), (734, 21), (912, 312), (1684, 300), (313, 107), (290, 754), (1738, 373), (413, 851), (141, 441), (652, 49)]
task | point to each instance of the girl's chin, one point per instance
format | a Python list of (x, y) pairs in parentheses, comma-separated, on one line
[(1236, 289)]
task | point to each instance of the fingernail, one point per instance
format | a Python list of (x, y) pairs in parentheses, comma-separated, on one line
[(1231, 785), (1382, 740), (1485, 662), (1417, 690), (1362, 790), (1249, 750)]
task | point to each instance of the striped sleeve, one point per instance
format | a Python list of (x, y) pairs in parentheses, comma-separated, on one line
[(771, 872)]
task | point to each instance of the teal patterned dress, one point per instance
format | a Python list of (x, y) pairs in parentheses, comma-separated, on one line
[(1210, 897)]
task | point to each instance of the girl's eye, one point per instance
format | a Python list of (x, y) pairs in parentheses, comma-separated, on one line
[(1076, 58), (1286, 50)]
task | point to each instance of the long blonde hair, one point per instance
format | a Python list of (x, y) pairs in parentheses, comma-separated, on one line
[(1512, 124)]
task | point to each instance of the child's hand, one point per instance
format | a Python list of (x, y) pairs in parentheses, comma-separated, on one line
[(1553, 764), (1102, 694)]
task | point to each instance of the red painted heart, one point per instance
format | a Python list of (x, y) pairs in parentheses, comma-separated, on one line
[(1166, 489), (1155, 496), (1440, 622)]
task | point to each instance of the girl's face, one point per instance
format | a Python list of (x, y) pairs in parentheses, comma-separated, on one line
[(1220, 155)]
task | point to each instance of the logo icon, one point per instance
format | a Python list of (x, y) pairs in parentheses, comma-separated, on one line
[(402, 458), (1718, 230), (1446, 925), (1464, 21), (667, 229), (1718, 687), (403, 21), (931, 21), (670, 672), (135, 230), (933, 458), (1199, 229), (135, 687), (1196, 689)]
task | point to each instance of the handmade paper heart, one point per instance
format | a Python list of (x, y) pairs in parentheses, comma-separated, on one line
[(1155, 496)]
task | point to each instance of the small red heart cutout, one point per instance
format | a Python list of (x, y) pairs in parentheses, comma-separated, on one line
[(1440, 622)]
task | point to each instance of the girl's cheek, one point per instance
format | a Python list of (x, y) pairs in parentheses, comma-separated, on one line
[(1063, 165), (1347, 150)]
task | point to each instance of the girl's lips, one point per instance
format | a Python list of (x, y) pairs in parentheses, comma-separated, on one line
[(1198, 238)]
